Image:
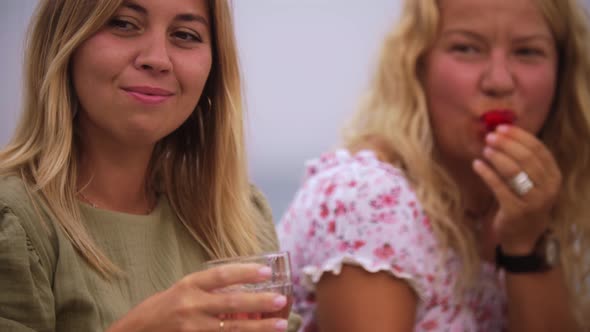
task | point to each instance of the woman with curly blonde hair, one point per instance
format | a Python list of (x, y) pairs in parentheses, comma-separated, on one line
[(460, 201), (127, 172)]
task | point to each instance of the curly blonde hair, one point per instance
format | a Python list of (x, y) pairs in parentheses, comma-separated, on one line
[(393, 120)]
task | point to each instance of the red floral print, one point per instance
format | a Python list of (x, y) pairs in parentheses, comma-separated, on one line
[(354, 209)]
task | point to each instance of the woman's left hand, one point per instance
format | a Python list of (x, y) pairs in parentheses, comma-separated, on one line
[(521, 218)]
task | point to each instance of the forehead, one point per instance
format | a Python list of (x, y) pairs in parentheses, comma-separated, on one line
[(168, 7), (515, 15)]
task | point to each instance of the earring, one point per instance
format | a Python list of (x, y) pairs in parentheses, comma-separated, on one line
[(209, 103)]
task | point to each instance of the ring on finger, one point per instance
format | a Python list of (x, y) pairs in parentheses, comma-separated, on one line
[(521, 183)]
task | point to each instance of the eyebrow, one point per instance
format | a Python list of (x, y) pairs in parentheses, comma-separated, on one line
[(479, 37), (464, 32), (186, 17), (535, 37)]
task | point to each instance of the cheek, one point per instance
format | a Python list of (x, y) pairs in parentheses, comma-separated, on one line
[(540, 87), (93, 72), (449, 82), (541, 81), (85, 77), (449, 88), (192, 74)]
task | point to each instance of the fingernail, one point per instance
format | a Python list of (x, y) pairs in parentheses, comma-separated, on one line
[(279, 301), (477, 164), (503, 128), (487, 152), (281, 325), (265, 272), (491, 137)]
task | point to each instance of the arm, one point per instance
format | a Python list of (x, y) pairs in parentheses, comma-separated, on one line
[(357, 301), (356, 214), (538, 302), (26, 299)]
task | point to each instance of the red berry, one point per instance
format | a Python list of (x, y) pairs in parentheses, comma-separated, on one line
[(494, 118)]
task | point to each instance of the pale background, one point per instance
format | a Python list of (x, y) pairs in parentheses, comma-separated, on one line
[(305, 64)]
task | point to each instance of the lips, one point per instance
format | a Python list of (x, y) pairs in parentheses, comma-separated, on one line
[(494, 118), (148, 95)]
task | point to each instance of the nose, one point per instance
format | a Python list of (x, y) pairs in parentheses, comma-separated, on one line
[(154, 56), (498, 79)]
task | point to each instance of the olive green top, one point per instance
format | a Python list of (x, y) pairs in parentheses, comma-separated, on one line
[(45, 285)]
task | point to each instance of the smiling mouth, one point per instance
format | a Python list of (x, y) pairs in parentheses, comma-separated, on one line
[(148, 95), (148, 99)]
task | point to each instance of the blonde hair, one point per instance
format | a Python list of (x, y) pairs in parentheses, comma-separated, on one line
[(200, 166), (393, 119)]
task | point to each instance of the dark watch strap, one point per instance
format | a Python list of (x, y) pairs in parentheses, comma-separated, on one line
[(521, 264)]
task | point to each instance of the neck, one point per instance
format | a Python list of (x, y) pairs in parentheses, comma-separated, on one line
[(477, 198), (112, 177), (479, 206)]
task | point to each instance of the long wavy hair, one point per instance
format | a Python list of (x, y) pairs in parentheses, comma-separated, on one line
[(393, 119), (201, 166)]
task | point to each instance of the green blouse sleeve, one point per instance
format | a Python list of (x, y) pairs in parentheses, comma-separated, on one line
[(26, 298)]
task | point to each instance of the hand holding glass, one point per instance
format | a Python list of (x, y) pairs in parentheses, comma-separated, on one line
[(279, 282)]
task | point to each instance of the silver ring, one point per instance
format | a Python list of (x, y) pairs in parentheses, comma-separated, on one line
[(521, 184)]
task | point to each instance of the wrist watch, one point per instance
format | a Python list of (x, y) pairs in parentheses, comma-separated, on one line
[(544, 256)]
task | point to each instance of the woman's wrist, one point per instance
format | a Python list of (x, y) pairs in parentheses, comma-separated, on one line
[(518, 248), (542, 256), (526, 244)]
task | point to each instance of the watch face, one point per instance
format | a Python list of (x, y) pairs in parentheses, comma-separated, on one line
[(551, 252)]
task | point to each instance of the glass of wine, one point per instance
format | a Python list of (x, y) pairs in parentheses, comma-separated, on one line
[(279, 282)]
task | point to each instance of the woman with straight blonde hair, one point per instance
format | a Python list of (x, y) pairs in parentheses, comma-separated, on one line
[(460, 201), (127, 172)]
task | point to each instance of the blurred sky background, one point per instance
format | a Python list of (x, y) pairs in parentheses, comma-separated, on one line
[(305, 65)]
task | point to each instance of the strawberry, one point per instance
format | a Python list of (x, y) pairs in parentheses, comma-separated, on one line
[(494, 118)]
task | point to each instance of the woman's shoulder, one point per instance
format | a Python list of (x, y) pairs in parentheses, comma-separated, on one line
[(358, 178), (11, 186), (261, 203), (26, 273), (356, 190), (21, 208), (364, 165), (266, 232), (14, 195), (355, 209)]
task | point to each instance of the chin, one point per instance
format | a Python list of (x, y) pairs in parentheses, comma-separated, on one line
[(472, 152), (464, 155), (140, 137)]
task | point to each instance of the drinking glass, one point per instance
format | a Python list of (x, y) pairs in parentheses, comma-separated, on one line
[(279, 282)]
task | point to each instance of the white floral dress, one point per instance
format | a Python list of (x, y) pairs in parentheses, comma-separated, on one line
[(354, 209)]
